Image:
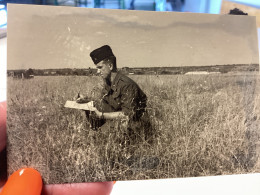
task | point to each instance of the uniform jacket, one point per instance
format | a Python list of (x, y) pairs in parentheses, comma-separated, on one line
[(124, 95)]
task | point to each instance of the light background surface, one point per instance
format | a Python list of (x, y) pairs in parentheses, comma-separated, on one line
[(224, 185)]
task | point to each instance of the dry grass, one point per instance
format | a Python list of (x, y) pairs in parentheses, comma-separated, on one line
[(203, 125)]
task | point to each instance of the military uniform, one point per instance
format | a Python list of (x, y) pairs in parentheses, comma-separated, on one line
[(122, 95)]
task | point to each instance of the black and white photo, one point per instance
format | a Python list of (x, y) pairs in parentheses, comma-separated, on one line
[(105, 95)]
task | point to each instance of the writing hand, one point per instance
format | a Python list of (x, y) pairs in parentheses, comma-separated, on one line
[(81, 99)]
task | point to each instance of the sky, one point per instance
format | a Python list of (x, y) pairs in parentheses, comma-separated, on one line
[(42, 37)]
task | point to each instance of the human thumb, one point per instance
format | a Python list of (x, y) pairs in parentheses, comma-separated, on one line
[(24, 181)]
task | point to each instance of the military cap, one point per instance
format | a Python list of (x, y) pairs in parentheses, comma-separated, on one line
[(101, 53)]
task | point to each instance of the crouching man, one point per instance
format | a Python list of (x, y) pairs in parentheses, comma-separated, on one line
[(122, 97)]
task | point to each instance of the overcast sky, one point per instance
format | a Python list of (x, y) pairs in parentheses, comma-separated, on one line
[(62, 37)]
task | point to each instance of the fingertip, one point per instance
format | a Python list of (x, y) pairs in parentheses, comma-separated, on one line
[(2, 125), (3, 111), (24, 181), (97, 188)]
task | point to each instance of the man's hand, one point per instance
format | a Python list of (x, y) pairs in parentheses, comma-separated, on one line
[(98, 113), (81, 99), (111, 115)]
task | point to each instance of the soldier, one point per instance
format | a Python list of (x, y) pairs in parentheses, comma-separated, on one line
[(122, 97)]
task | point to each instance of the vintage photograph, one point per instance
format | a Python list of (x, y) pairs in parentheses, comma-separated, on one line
[(104, 95)]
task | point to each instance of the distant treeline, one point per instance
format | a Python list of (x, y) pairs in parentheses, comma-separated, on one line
[(54, 72), (186, 69), (142, 70)]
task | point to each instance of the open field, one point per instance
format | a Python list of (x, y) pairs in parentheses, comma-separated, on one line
[(203, 125)]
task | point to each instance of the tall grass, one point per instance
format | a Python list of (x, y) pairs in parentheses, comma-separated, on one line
[(202, 125)]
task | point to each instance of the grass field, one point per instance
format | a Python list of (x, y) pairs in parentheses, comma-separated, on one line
[(203, 125)]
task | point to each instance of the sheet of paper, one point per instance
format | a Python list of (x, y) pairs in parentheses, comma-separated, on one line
[(75, 105)]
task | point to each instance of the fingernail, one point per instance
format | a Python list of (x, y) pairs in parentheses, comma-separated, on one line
[(24, 181)]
